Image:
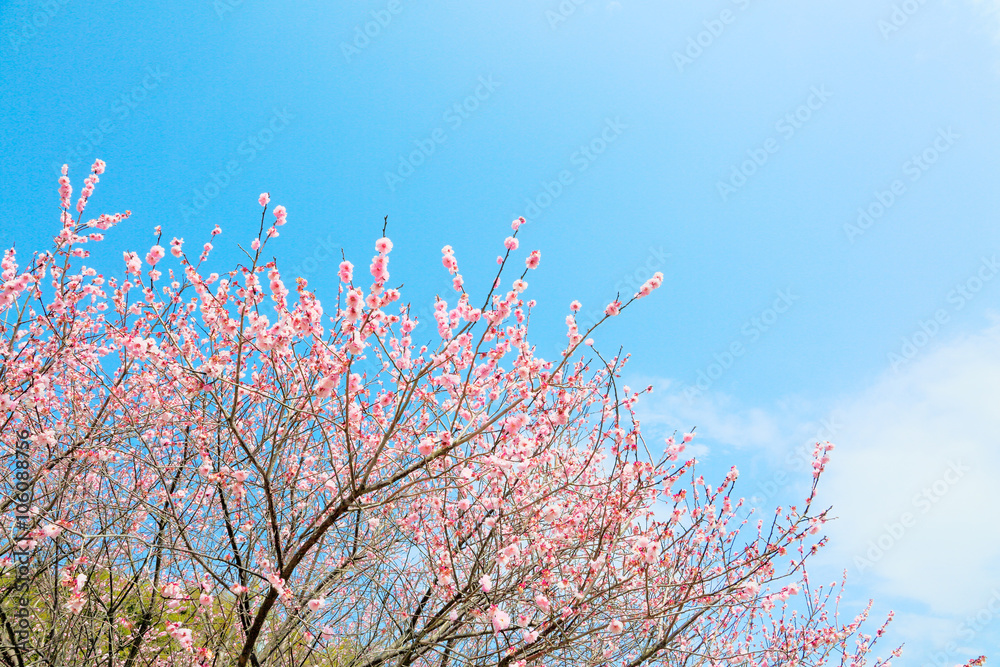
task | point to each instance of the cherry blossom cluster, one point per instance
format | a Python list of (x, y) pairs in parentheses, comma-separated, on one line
[(227, 471)]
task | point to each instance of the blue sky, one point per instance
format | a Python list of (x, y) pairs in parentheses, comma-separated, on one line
[(729, 144)]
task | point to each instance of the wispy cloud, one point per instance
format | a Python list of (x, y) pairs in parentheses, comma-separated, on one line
[(913, 483), (721, 419), (926, 444), (989, 11)]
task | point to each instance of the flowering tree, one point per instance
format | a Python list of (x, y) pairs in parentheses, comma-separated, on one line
[(214, 470)]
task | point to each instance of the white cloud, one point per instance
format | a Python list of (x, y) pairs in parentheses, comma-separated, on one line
[(780, 432), (717, 416), (924, 444), (989, 15), (921, 445)]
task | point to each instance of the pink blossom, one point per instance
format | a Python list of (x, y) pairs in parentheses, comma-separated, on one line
[(346, 272), (354, 298), (448, 259), (155, 254), (500, 620), (355, 346), (653, 283), (183, 636), (532, 261), (76, 603), (379, 268), (264, 198), (575, 306), (529, 469), (383, 246), (674, 449), (279, 214), (613, 308), (510, 243), (426, 446)]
